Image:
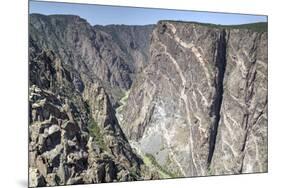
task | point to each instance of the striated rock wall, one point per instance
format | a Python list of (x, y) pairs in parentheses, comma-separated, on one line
[(241, 144), (200, 106)]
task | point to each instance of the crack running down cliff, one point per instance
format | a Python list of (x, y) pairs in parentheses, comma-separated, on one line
[(216, 106)]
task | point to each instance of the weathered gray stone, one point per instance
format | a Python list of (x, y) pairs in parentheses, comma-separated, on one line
[(41, 165), (198, 99), (36, 180)]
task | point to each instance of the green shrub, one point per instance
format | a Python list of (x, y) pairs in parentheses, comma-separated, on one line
[(96, 133), (93, 128), (155, 164)]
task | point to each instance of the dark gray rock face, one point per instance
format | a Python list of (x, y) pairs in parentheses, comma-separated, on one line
[(94, 50), (200, 106), (134, 42)]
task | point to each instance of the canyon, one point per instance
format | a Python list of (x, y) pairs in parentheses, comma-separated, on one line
[(126, 103)]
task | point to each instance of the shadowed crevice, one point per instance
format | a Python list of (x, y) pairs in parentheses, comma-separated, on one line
[(216, 106)]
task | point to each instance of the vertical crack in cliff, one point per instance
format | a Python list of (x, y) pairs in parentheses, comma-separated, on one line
[(250, 77), (216, 105)]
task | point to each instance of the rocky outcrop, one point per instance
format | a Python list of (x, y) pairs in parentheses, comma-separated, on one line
[(199, 107), (57, 147), (74, 136)]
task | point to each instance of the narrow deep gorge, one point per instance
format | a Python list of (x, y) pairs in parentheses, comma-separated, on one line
[(124, 103)]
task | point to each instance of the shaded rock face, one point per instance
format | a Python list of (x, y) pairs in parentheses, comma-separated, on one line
[(94, 50), (200, 105), (134, 42)]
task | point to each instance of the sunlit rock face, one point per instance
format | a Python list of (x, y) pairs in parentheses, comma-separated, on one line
[(241, 145), (200, 106)]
